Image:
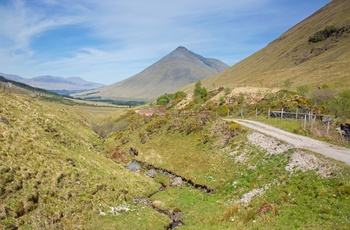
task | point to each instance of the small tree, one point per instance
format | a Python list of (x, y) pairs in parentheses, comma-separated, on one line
[(199, 93), (341, 105), (241, 98), (163, 99)]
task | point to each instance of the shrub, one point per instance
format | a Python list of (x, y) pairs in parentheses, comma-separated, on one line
[(163, 99), (302, 90), (179, 94), (323, 34), (227, 90), (341, 105), (199, 93)]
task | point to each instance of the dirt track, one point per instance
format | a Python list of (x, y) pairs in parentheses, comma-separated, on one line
[(301, 142)]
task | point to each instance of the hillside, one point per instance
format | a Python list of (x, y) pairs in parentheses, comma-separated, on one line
[(54, 176), (292, 58), (177, 69), (55, 83)]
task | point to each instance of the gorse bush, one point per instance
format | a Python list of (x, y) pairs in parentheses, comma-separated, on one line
[(166, 98)]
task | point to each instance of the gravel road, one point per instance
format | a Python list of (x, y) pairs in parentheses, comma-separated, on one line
[(301, 142)]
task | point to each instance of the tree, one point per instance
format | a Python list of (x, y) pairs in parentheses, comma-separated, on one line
[(341, 105), (241, 98), (163, 99), (199, 93)]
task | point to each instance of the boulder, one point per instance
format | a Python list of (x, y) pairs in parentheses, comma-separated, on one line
[(133, 166), (177, 181), (151, 173), (158, 204)]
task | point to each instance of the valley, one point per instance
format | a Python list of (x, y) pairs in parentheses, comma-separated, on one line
[(187, 143), (156, 172)]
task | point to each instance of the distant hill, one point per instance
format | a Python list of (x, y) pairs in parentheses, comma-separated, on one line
[(55, 83), (312, 53), (177, 69), (13, 86)]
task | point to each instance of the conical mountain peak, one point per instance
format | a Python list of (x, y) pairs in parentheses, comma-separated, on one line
[(177, 69)]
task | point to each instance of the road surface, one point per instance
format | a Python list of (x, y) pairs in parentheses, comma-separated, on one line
[(301, 142)]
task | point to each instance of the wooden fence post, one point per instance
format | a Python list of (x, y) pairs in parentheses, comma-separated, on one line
[(312, 124), (282, 113), (269, 113)]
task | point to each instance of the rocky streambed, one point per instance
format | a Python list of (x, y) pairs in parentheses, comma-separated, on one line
[(175, 215)]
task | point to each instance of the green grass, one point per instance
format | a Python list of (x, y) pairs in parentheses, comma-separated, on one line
[(300, 195), (55, 174)]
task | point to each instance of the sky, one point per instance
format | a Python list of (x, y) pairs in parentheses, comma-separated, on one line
[(106, 41)]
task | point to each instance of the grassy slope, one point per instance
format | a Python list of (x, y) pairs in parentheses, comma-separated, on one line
[(53, 176), (291, 57), (298, 200)]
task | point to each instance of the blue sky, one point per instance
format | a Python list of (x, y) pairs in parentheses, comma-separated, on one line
[(109, 40)]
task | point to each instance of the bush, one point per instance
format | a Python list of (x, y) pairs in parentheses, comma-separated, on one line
[(227, 90), (199, 93), (163, 99), (323, 34), (341, 105), (179, 94), (303, 90)]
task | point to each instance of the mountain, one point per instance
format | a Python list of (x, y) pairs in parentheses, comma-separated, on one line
[(314, 52), (177, 69), (55, 83)]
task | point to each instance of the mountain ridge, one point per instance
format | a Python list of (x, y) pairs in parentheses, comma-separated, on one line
[(293, 58), (49, 82)]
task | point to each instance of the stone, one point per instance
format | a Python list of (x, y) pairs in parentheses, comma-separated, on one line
[(177, 181), (4, 120), (151, 173), (158, 204), (133, 166)]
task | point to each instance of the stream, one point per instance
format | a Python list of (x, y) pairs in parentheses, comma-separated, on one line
[(174, 215)]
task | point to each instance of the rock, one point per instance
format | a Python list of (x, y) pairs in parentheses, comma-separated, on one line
[(346, 130), (133, 166), (177, 181), (4, 120), (158, 204), (151, 173), (141, 201), (134, 152)]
